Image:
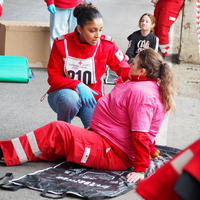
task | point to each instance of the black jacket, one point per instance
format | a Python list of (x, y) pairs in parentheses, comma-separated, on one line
[(137, 43)]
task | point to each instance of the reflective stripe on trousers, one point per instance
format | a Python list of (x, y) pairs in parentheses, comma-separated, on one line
[(19, 148)]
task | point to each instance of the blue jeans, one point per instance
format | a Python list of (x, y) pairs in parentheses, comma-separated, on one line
[(67, 104), (59, 21)]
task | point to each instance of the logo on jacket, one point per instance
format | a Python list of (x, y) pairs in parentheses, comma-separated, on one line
[(119, 55), (80, 63), (85, 155), (141, 45)]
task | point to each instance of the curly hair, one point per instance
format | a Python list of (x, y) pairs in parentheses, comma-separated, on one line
[(163, 73)]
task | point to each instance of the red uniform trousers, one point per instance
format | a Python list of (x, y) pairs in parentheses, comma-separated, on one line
[(166, 12), (58, 141), (161, 184)]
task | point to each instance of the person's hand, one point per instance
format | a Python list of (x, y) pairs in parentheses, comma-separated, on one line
[(155, 155), (52, 8), (87, 95), (134, 176), (119, 80)]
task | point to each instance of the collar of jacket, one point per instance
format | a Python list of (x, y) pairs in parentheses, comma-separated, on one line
[(140, 78)]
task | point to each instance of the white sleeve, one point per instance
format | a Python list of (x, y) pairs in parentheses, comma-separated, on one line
[(157, 44)]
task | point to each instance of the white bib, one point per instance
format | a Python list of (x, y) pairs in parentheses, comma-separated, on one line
[(80, 69)]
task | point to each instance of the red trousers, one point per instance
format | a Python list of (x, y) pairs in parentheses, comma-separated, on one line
[(166, 12), (58, 141)]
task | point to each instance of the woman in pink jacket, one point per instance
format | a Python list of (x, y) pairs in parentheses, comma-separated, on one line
[(122, 130)]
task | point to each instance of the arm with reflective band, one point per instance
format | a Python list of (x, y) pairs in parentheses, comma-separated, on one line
[(141, 150), (192, 167)]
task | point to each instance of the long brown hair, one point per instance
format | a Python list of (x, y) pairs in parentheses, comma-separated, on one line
[(152, 18), (157, 69)]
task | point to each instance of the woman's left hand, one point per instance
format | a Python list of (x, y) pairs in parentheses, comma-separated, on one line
[(134, 176)]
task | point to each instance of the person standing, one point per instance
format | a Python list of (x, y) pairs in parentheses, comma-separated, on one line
[(77, 64), (166, 12), (61, 15)]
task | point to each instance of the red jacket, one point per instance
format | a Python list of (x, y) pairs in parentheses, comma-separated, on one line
[(64, 3), (105, 55)]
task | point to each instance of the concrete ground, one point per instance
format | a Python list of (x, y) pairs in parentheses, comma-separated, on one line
[(21, 109)]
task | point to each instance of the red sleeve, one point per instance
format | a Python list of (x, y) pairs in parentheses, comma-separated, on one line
[(152, 148), (117, 62), (48, 2), (141, 150), (55, 68)]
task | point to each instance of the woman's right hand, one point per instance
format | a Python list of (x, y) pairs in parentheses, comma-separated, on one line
[(87, 95), (127, 58)]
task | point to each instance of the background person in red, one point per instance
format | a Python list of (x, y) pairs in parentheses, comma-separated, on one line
[(122, 130), (77, 64), (1, 9), (166, 12), (61, 15)]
